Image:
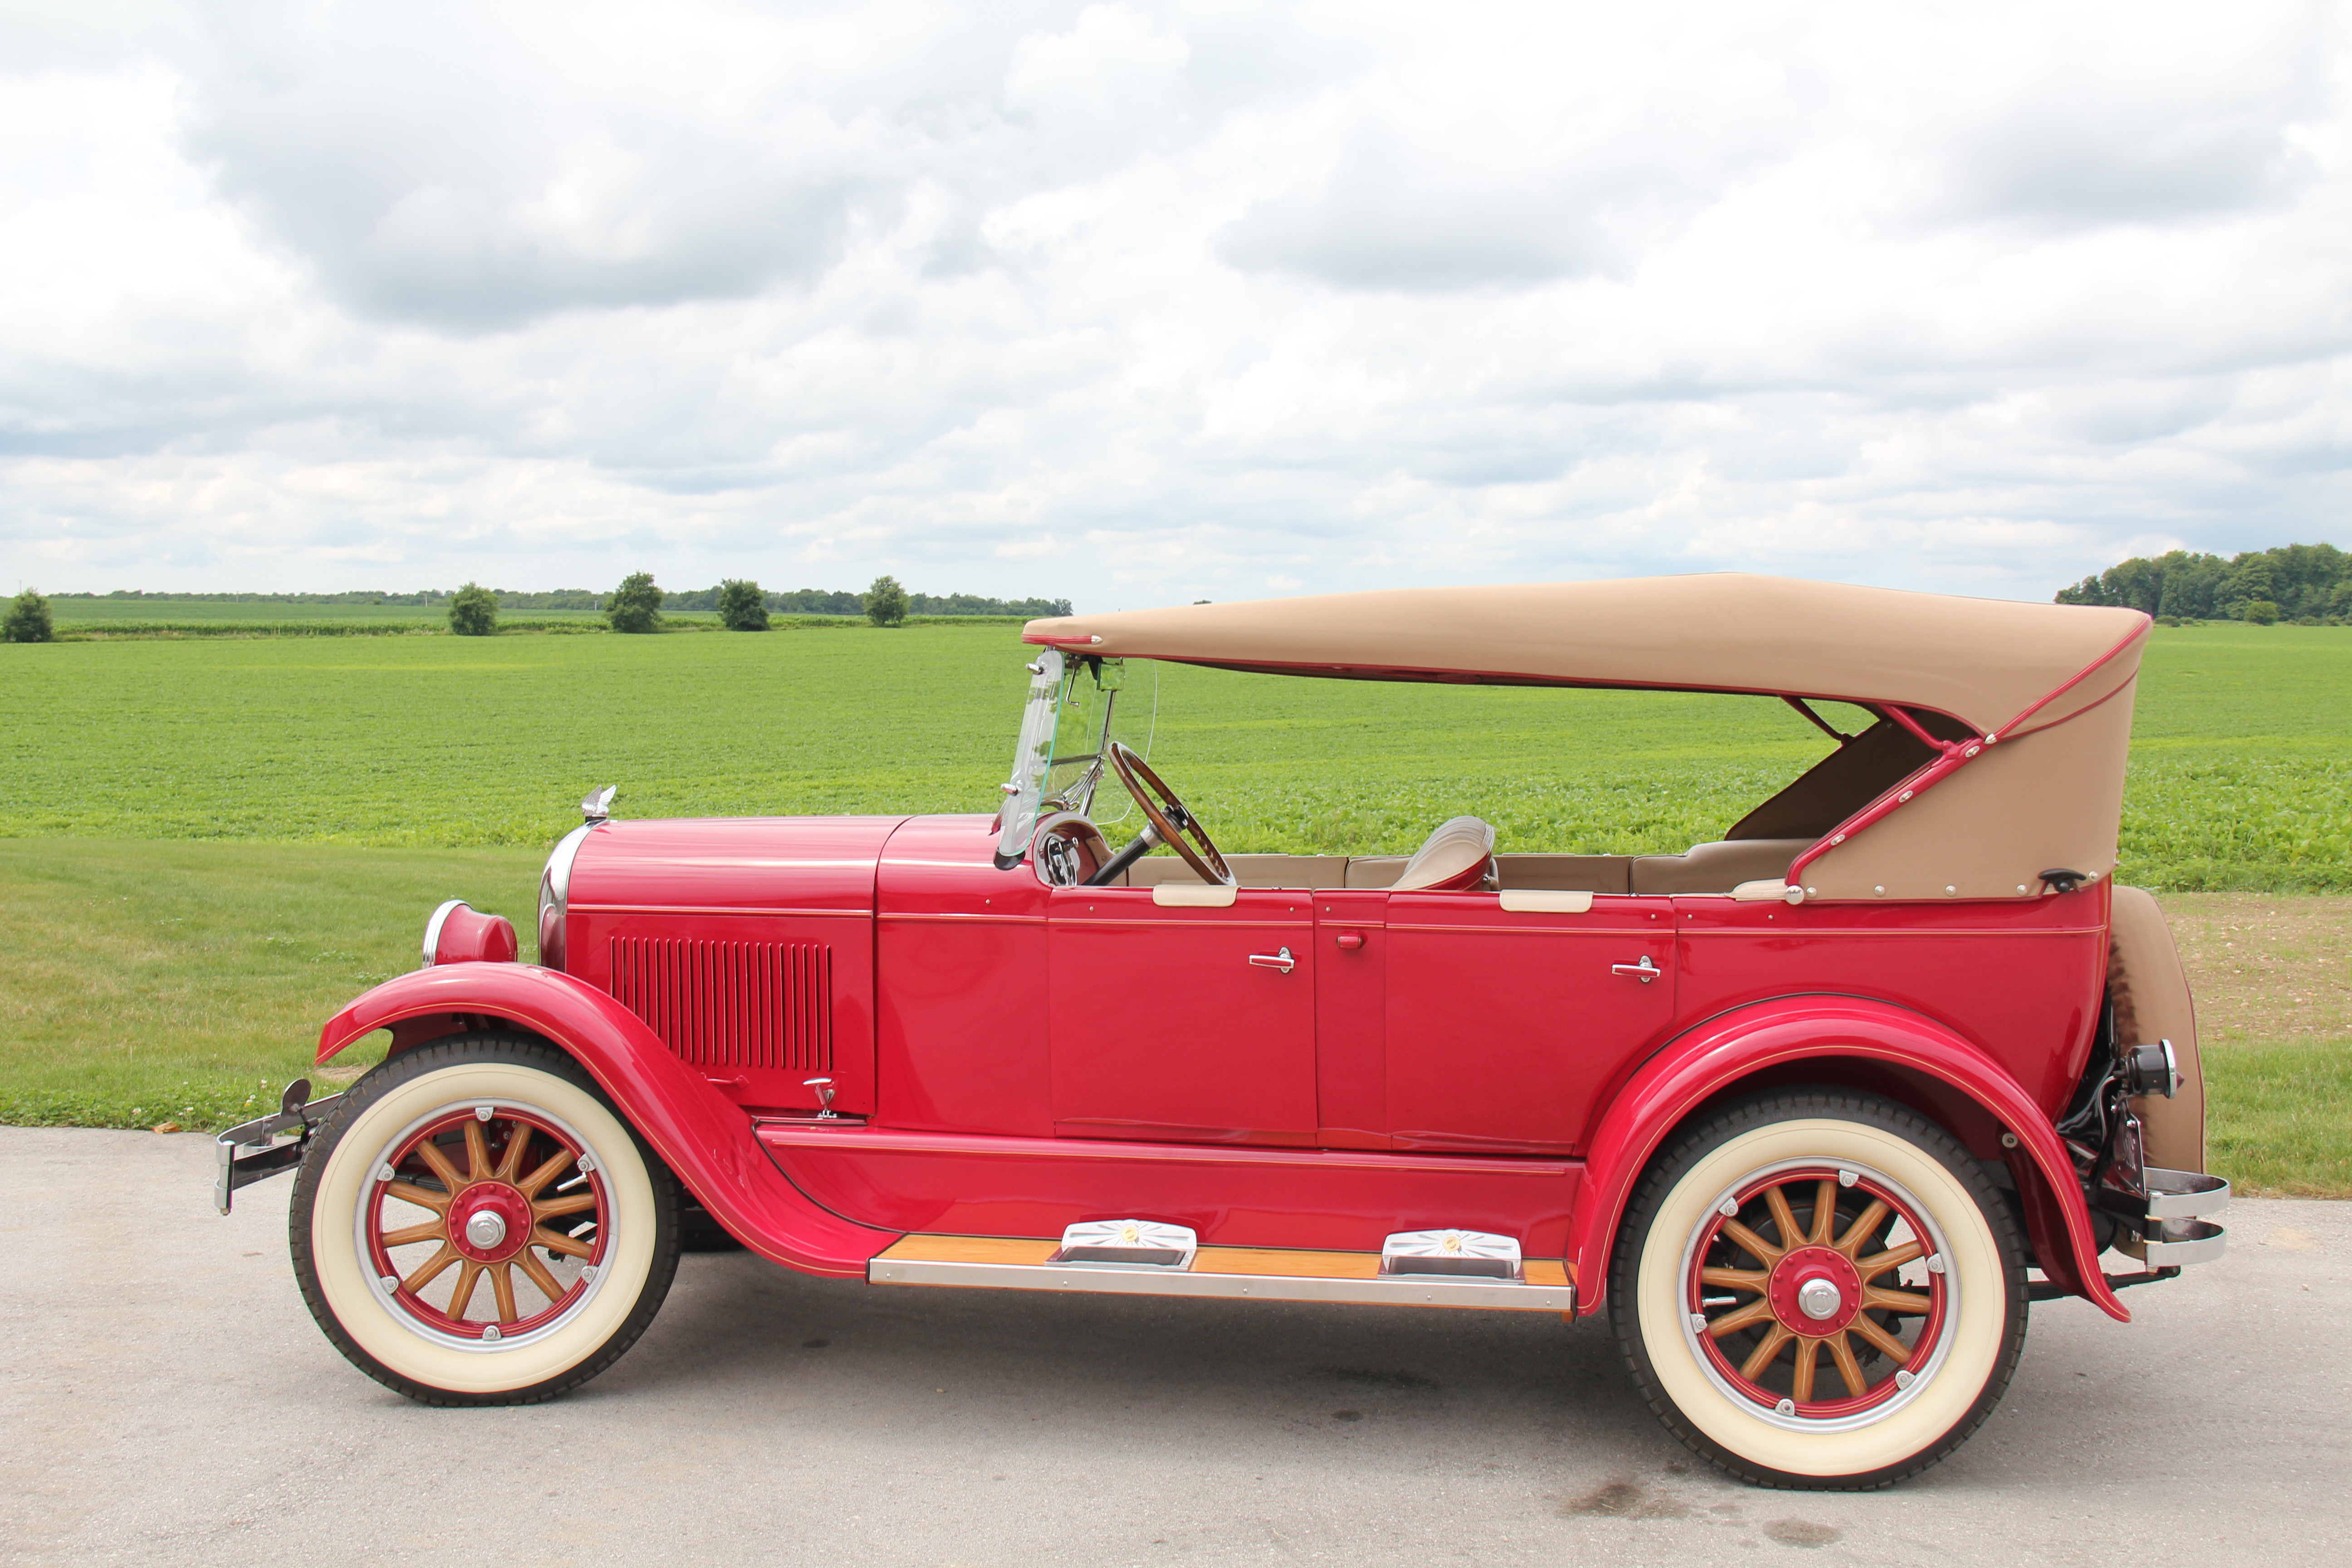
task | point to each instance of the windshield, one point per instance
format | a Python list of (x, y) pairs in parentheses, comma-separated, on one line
[(1058, 763)]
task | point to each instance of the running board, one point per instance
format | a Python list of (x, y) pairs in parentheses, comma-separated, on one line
[(1252, 1273)]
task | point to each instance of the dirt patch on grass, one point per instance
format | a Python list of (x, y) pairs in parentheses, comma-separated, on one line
[(2265, 966)]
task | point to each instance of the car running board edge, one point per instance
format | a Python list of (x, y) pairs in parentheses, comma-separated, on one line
[(1234, 1273)]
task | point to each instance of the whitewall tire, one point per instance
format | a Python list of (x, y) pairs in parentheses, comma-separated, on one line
[(1816, 1287), (477, 1226)]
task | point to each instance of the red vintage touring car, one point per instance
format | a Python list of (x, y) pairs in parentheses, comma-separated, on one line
[(1811, 1113)]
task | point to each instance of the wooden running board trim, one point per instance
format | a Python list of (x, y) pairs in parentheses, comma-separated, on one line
[(1253, 1273)]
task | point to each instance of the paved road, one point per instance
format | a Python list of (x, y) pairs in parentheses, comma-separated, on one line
[(164, 1398)]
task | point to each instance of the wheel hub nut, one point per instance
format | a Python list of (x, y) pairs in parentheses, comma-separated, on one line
[(1818, 1299), (487, 1229)]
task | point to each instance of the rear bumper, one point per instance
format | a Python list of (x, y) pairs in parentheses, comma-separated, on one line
[(2174, 1231)]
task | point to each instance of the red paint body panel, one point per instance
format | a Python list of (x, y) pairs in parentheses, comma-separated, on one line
[(1503, 1026), (961, 1021), (1351, 1001), (747, 943), (2021, 982), (1732, 1047), (1162, 1027), (703, 1138), (1344, 1200)]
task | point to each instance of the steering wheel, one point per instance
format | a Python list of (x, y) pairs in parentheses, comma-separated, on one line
[(1170, 822)]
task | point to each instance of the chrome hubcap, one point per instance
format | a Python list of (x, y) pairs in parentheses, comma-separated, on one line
[(1819, 1299), (487, 1229)]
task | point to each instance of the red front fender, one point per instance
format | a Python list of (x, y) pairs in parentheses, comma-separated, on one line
[(1721, 1052), (705, 1138)]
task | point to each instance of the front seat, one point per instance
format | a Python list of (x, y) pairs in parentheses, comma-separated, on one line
[(1458, 856)]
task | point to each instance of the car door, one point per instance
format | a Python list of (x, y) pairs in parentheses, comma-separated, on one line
[(1504, 1025), (1183, 1023)]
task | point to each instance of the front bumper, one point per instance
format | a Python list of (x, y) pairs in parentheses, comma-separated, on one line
[(266, 1150)]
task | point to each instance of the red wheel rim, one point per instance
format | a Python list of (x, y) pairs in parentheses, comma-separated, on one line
[(485, 1199), (1800, 1316)]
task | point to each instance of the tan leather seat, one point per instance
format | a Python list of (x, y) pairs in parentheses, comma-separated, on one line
[(1564, 873), (1716, 867), (1459, 855)]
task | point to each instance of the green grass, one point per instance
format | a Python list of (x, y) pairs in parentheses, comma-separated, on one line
[(2242, 774), (223, 840), (146, 981), (2279, 1117)]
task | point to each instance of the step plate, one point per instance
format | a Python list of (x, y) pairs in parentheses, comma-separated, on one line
[(1232, 1273)]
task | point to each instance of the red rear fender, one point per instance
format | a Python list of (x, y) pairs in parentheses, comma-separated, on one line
[(1849, 1041), (705, 1138)]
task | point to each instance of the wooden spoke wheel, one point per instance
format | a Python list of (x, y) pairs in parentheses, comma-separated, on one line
[(477, 1226), (1821, 1293), (1819, 1289)]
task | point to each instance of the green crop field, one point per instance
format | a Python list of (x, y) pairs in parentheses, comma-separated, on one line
[(346, 783)]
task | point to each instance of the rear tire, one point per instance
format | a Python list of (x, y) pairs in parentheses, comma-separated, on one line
[(465, 1258), (1752, 1293)]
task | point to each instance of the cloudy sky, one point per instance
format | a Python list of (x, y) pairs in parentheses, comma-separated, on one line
[(1140, 303)]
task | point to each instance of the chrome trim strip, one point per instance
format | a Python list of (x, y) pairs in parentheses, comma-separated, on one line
[(1119, 1280), (2175, 1243), (555, 895)]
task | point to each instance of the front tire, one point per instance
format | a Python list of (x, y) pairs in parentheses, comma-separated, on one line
[(477, 1226), (1818, 1289)]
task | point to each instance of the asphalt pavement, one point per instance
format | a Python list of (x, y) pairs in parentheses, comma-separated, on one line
[(165, 1398)]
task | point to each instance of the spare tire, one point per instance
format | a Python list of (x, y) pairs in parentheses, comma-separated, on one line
[(2149, 991)]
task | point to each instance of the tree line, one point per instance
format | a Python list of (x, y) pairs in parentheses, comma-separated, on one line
[(636, 606), (2308, 584)]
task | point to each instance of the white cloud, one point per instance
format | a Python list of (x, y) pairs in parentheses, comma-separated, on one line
[(1141, 302)]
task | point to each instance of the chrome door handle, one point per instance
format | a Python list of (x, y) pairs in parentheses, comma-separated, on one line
[(1645, 969), (1282, 960)]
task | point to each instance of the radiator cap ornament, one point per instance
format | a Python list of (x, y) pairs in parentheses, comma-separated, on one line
[(598, 804)]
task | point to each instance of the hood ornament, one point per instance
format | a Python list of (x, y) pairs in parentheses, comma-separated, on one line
[(598, 806)]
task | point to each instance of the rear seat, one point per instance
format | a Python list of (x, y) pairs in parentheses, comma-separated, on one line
[(1716, 867)]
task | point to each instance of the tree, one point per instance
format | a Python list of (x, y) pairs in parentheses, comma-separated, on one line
[(474, 611), (742, 606), (28, 620), (2261, 612), (885, 602), (636, 605)]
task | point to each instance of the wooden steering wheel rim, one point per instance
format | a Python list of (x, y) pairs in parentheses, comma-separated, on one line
[(1143, 784)]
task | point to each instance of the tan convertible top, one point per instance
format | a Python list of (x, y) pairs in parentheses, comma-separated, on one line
[(1984, 661), (2005, 670)]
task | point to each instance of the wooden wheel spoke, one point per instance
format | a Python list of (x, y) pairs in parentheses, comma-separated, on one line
[(1825, 1213), (1783, 1220), (430, 1269), (1859, 1231), (1878, 1263), (1894, 1349), (547, 1172), (1809, 1354), (1897, 1300), (536, 1272), (428, 1231), (502, 1290), (1735, 1279), (423, 1197), (1849, 1365), (469, 1276), (431, 1154), (477, 1151), (572, 1203), (1755, 1246), (518, 1146), (1761, 1356), (1756, 1311), (555, 1241)]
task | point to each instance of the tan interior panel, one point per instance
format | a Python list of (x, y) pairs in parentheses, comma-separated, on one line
[(1716, 867), (1566, 873)]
